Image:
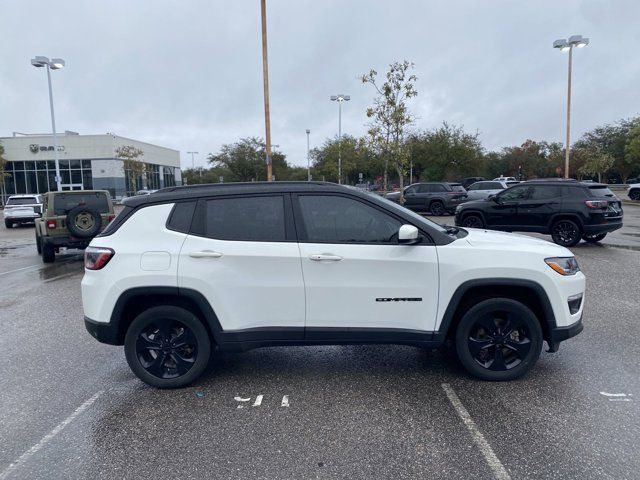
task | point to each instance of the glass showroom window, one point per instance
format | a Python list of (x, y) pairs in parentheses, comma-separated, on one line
[(168, 176), (40, 176)]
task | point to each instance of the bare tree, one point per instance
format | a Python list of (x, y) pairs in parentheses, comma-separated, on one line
[(390, 117), (131, 163)]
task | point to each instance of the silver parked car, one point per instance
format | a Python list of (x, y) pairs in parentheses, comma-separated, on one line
[(482, 190)]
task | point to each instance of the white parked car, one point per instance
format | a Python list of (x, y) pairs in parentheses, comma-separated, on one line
[(633, 191), (240, 266), (22, 209), (482, 190), (506, 179)]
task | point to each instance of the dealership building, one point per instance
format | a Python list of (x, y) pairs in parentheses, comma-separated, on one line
[(86, 162)]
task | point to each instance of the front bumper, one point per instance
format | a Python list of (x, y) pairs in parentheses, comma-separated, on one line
[(103, 332), (560, 334)]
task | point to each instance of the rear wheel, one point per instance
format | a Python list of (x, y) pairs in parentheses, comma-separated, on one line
[(634, 194), (436, 208), (38, 245), (8, 224), (593, 237), (473, 221), (48, 252), (499, 339), (566, 233), (167, 347)]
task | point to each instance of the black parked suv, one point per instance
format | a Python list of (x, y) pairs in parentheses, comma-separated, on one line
[(566, 210), (435, 198)]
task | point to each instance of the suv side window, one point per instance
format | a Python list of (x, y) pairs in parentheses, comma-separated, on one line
[(335, 219), (438, 188), (475, 186), (516, 194), (493, 186), (544, 192), (410, 191), (252, 219), (424, 189)]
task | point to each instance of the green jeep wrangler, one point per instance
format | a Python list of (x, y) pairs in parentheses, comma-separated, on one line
[(71, 219)]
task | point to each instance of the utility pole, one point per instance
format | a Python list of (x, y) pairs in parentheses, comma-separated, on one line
[(265, 77), (193, 162), (308, 163)]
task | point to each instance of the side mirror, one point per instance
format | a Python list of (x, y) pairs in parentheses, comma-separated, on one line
[(408, 235), (495, 198)]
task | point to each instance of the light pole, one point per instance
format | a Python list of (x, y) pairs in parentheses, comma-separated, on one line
[(340, 98), (193, 162), (53, 64), (567, 45), (308, 164)]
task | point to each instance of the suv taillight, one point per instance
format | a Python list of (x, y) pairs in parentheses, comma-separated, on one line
[(96, 258), (597, 203), (51, 224)]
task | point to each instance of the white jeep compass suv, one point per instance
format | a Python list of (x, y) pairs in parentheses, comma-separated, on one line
[(238, 266)]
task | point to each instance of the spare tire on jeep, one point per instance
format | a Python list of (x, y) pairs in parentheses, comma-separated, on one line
[(84, 222)]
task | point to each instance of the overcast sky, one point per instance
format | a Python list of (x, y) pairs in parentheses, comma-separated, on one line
[(187, 74)]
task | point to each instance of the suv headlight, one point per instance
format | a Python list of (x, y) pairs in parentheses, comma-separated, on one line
[(563, 265)]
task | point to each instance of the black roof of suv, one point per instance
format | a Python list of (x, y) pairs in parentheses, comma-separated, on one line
[(568, 210)]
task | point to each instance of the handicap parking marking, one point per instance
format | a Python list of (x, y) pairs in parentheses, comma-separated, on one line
[(258, 401)]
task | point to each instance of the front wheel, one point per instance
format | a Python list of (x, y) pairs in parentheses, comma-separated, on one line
[(436, 208), (8, 224), (634, 194), (499, 339), (473, 221), (566, 233), (593, 237), (167, 347)]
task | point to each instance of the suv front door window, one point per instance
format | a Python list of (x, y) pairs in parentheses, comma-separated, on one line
[(346, 243), (535, 212), (502, 212)]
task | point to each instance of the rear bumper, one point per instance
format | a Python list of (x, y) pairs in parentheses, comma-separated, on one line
[(103, 332), (66, 242), (603, 227)]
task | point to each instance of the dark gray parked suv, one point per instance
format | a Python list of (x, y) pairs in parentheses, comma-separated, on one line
[(435, 198)]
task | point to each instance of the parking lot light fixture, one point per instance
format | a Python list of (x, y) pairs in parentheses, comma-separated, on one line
[(54, 64), (308, 163), (340, 98), (567, 45)]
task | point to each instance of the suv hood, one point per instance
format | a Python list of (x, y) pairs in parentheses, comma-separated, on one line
[(478, 237)]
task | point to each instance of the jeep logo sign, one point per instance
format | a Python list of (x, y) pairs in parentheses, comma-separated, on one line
[(35, 148)]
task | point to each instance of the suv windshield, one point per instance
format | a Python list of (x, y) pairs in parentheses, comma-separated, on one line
[(22, 201), (64, 202)]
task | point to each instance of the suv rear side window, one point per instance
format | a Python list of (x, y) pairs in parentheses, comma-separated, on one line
[(181, 216), (64, 202), (457, 188), (334, 219), (253, 219), (601, 191), (438, 188)]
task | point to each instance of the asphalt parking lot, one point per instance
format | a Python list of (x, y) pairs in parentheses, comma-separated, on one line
[(71, 408)]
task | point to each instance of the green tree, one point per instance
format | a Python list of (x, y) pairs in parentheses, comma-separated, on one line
[(390, 117), (446, 153), (244, 161), (612, 139), (632, 153), (134, 168), (596, 162)]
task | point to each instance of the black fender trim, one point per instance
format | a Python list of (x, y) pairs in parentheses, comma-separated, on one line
[(457, 296)]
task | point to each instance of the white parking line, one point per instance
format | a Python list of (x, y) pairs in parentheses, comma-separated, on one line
[(285, 400), (47, 438), (492, 460), (20, 269)]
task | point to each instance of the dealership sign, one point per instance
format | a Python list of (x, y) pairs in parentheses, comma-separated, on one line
[(35, 148)]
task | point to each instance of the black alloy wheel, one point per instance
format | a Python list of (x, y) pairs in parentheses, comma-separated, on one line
[(499, 339), (472, 221), (634, 194), (566, 233), (436, 208), (593, 237), (167, 347)]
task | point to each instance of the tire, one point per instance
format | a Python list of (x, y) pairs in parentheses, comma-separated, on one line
[(634, 194), (436, 208), (566, 233), (8, 224), (48, 252), (472, 221), (593, 237), (84, 222), (499, 339), (150, 351), (38, 245)]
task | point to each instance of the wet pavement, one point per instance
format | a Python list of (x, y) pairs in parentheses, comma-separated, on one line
[(70, 407)]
